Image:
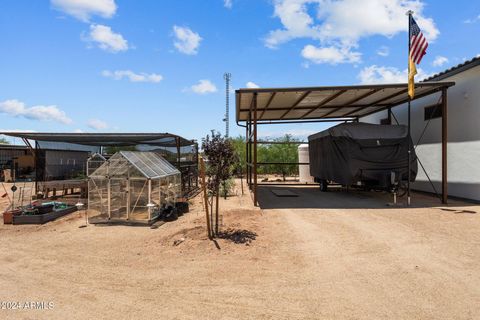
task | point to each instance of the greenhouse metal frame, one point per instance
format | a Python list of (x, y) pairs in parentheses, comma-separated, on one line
[(132, 186)]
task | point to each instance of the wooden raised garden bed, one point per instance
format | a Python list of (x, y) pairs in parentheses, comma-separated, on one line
[(42, 218)]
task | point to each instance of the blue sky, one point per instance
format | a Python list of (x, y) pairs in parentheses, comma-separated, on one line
[(157, 66)]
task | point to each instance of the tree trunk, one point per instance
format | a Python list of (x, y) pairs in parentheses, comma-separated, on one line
[(216, 210), (211, 216)]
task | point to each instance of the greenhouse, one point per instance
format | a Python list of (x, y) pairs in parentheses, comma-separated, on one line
[(132, 186), (94, 162)]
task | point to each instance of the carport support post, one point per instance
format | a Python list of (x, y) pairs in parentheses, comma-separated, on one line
[(255, 148), (149, 199), (128, 195), (247, 150), (109, 199), (444, 146), (177, 143)]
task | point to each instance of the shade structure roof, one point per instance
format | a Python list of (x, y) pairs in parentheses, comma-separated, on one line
[(332, 102), (106, 139), (150, 165)]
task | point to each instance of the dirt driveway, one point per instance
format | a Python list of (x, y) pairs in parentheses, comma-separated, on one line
[(305, 263)]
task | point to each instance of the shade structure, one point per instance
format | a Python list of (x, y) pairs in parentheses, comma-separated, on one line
[(107, 139), (132, 186), (332, 102), (264, 106), (181, 152)]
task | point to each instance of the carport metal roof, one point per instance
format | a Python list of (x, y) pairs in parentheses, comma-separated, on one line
[(332, 102)]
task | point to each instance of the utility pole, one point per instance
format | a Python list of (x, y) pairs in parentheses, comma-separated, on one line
[(227, 76)]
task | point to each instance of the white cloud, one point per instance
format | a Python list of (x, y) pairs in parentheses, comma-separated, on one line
[(252, 85), (476, 19), (340, 24), (78, 131), (97, 124), (204, 87), (16, 130), (379, 74), (332, 55), (106, 39), (228, 3), (439, 61), (132, 76), (17, 108), (186, 40), (383, 51), (85, 9)]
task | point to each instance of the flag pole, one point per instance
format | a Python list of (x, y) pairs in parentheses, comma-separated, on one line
[(409, 13)]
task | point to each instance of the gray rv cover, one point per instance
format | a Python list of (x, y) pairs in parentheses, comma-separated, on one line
[(351, 152)]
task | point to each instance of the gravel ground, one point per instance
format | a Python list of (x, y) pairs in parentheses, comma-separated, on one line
[(343, 262)]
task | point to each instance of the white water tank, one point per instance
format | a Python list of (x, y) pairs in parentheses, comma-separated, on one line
[(304, 169)]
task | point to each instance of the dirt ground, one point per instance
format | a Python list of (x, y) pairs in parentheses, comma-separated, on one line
[(328, 255)]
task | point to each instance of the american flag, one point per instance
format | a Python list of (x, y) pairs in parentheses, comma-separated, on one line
[(418, 43)]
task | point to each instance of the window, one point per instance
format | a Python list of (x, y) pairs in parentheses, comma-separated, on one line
[(432, 112)]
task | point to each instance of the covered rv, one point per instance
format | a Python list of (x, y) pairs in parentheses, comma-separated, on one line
[(370, 155)]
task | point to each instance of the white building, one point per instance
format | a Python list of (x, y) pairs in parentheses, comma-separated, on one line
[(463, 132)]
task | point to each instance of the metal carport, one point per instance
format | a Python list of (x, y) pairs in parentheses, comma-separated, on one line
[(262, 106)]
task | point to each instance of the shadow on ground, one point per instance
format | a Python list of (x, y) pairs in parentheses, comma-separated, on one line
[(310, 197), (238, 236)]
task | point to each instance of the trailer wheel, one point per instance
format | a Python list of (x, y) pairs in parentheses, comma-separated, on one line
[(323, 185), (401, 190)]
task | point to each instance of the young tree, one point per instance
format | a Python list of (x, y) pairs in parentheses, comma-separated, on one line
[(220, 155)]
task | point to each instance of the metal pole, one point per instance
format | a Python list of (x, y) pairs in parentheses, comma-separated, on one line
[(255, 149), (249, 152), (409, 114), (177, 144), (409, 155), (444, 146), (149, 199), (35, 163), (227, 76), (128, 195), (205, 196), (247, 169), (109, 196)]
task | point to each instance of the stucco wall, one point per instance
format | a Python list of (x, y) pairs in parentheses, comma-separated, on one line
[(463, 136)]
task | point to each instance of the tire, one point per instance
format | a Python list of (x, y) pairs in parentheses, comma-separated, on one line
[(401, 190), (323, 185), (171, 215)]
